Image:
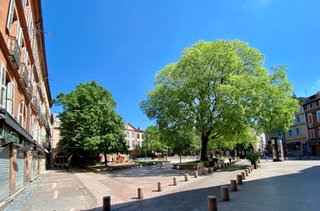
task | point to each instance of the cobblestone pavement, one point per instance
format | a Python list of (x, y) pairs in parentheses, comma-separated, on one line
[(289, 185)]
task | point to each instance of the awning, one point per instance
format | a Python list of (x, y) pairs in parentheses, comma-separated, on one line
[(313, 141), (14, 124), (292, 143)]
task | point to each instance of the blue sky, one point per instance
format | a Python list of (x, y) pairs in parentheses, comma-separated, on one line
[(123, 43)]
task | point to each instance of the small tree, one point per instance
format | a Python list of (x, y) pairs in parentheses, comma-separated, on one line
[(152, 142), (89, 122), (181, 141)]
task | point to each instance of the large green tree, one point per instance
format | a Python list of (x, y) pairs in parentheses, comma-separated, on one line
[(89, 122), (221, 88)]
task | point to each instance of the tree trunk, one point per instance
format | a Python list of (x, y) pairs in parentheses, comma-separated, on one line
[(204, 146), (180, 157), (105, 159)]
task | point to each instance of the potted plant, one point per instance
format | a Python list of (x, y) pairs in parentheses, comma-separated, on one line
[(254, 157)]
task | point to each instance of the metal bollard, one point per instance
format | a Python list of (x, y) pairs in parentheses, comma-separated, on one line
[(239, 179), (195, 174), (174, 181), (212, 203), (247, 172), (243, 175), (233, 185), (186, 177), (140, 193), (224, 193), (159, 187), (106, 203)]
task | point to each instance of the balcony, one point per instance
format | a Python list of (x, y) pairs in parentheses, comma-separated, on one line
[(14, 51), (29, 90), (23, 74)]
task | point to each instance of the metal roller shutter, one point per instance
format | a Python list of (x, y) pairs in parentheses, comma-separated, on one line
[(4, 172), (20, 178), (34, 167)]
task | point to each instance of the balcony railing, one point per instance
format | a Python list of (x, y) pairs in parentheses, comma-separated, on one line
[(14, 51), (23, 74)]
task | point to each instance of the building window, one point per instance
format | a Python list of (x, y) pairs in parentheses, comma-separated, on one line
[(10, 97), (290, 133), (318, 115), (311, 105), (10, 15), (310, 120), (24, 3), (29, 22), (127, 134), (20, 115), (311, 133), (19, 34), (297, 131), (138, 136), (3, 86)]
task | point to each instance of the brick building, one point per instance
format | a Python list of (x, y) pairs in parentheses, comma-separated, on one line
[(25, 98), (312, 113)]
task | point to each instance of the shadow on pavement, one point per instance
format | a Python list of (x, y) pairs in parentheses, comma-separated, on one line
[(298, 191)]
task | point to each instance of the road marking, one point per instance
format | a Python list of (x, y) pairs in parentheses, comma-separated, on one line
[(55, 194), (54, 185)]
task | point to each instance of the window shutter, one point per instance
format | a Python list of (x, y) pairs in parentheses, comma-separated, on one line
[(10, 97), (20, 116), (29, 22), (10, 15), (3, 86), (19, 34)]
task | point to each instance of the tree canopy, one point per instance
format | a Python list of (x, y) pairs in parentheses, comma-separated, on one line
[(89, 122), (152, 141), (220, 89)]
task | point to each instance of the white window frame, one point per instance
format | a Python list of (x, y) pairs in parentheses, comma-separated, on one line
[(29, 22), (19, 35), (20, 112), (10, 15), (318, 116), (3, 87), (10, 98), (24, 3)]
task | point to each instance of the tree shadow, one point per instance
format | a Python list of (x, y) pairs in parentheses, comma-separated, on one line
[(298, 191)]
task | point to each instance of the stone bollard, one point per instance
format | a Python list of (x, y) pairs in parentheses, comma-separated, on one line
[(174, 181), (159, 187), (203, 171), (209, 170), (247, 172), (233, 185), (243, 174), (195, 174), (106, 203), (224, 193), (239, 179), (140, 193), (212, 203), (186, 177)]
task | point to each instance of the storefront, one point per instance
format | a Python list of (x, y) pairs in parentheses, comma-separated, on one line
[(293, 148), (15, 144), (314, 146)]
